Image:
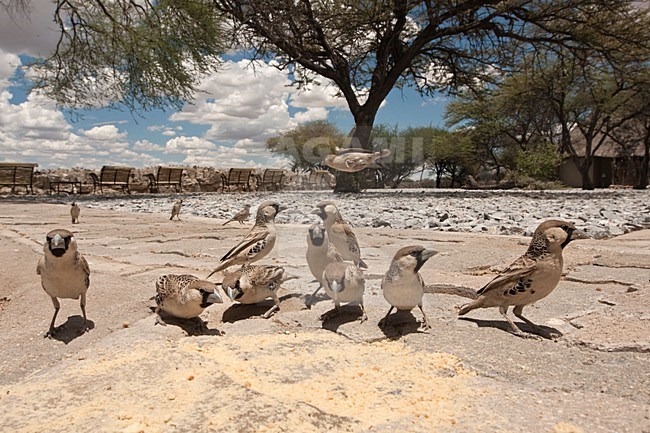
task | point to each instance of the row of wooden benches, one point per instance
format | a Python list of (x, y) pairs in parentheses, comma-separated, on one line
[(22, 174)]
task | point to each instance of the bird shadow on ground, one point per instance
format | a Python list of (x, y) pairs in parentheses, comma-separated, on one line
[(399, 324), (347, 314), (192, 327), (71, 329), (503, 325), (311, 301), (237, 312)]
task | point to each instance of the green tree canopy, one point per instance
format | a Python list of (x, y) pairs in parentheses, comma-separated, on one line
[(141, 55)]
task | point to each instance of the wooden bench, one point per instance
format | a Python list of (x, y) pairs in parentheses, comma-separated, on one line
[(239, 177), (319, 179), (272, 177), (15, 174), (166, 176), (112, 176)]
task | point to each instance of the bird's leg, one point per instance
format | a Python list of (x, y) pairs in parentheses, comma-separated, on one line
[(159, 320), (273, 308), (52, 329), (82, 304), (384, 321), (425, 326), (518, 311), (513, 328), (364, 316), (311, 298)]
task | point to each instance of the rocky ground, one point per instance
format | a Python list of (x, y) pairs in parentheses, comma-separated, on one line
[(601, 213), (291, 373)]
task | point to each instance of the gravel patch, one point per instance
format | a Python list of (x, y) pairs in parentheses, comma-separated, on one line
[(601, 213)]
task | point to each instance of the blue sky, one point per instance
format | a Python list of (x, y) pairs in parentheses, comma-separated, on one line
[(227, 126)]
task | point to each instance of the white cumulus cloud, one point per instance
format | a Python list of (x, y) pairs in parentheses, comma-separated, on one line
[(105, 133)]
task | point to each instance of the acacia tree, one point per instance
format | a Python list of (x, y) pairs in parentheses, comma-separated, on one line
[(367, 48)]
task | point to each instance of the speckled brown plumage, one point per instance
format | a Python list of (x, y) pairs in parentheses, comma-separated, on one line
[(255, 283), (258, 243), (184, 296), (531, 277)]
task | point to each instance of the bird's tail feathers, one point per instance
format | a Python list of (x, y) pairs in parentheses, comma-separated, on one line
[(289, 277), (469, 307), (229, 221)]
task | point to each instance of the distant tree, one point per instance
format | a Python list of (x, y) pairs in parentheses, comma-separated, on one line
[(451, 156), (138, 50), (307, 144), (592, 94), (636, 130), (478, 118), (536, 110), (539, 161), (407, 153)]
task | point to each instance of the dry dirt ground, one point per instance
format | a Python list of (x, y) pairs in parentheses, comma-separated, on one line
[(290, 373)]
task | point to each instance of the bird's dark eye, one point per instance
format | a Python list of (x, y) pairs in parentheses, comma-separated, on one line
[(202, 291), (414, 253)]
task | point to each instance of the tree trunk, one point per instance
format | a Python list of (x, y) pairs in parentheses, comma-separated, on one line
[(642, 181), (359, 138), (587, 182)]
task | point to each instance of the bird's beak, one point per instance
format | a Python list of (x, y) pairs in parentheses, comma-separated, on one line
[(57, 242), (320, 212), (427, 253), (215, 298), (579, 234), (336, 287), (231, 293)]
